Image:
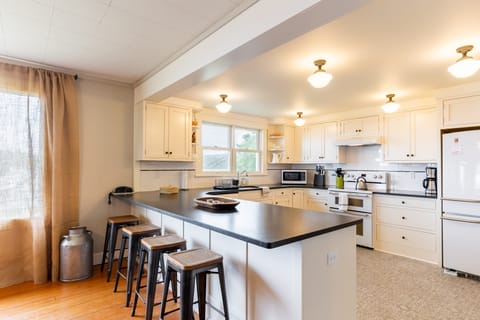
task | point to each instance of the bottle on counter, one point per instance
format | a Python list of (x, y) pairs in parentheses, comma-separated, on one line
[(339, 179)]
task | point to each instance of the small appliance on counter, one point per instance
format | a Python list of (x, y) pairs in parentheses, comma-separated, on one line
[(294, 176), (339, 179), (430, 182), (319, 177)]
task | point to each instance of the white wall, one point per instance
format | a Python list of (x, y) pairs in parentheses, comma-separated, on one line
[(106, 144)]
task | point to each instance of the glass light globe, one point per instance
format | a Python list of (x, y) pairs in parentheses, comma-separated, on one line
[(299, 122), (223, 107), (390, 107), (465, 67), (320, 79)]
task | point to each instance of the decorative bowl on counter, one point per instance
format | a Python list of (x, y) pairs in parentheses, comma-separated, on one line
[(217, 203)]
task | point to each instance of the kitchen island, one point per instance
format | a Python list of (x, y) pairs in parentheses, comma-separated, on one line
[(280, 262)]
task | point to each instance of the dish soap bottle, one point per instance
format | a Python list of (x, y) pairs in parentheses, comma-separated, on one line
[(339, 179)]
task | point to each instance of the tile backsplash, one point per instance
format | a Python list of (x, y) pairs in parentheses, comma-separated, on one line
[(402, 176)]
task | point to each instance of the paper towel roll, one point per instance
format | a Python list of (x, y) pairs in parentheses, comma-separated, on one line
[(184, 180)]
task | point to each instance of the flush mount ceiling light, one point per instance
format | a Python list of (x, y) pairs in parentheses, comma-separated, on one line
[(299, 121), (223, 106), (320, 78), (466, 65), (390, 106)]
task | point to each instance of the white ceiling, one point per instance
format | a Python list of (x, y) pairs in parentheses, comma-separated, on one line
[(121, 40), (387, 46)]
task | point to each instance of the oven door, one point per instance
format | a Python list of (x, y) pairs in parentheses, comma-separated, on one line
[(358, 202), (364, 229)]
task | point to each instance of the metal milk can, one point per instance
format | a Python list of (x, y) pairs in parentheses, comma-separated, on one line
[(76, 255)]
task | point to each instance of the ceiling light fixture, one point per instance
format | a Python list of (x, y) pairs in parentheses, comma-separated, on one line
[(390, 106), (223, 106), (299, 121), (320, 78), (466, 65)]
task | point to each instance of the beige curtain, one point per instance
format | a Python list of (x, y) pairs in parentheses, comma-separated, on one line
[(35, 240)]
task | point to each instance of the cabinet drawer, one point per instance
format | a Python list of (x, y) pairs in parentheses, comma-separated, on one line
[(408, 202), (407, 217), (409, 243), (281, 192), (317, 193)]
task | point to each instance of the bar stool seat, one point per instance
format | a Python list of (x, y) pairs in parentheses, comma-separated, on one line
[(155, 248), (193, 264), (113, 225), (132, 235)]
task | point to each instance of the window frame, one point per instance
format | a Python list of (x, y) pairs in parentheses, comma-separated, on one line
[(233, 150)]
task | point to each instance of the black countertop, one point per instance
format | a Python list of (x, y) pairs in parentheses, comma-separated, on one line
[(265, 225), (407, 193)]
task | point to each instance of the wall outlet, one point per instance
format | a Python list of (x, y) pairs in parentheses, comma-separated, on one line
[(331, 258)]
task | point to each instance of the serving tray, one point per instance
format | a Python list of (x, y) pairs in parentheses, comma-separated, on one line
[(217, 203)]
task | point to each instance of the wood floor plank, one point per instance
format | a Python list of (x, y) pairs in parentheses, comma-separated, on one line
[(91, 299)]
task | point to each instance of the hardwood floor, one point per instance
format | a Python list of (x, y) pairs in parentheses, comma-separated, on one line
[(87, 299)]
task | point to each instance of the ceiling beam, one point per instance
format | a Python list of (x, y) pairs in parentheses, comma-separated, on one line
[(262, 27)]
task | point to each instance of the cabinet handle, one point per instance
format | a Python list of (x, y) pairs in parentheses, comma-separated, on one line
[(412, 155), (408, 155), (403, 218), (166, 152), (170, 152), (403, 202), (403, 237)]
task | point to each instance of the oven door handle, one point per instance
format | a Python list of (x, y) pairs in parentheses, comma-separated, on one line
[(351, 195), (350, 212), (460, 219)]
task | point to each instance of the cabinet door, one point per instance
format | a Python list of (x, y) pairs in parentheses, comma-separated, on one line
[(332, 154), (351, 128), (297, 198), (424, 135), (155, 131), (460, 112), (299, 149), (316, 204), (397, 137), (179, 134), (370, 127), (317, 143), (289, 136)]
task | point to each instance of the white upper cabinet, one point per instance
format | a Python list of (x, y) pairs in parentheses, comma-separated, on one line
[(361, 127), (461, 112), (320, 142), (162, 132), (411, 136)]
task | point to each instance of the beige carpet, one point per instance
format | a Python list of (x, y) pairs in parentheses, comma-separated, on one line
[(395, 288)]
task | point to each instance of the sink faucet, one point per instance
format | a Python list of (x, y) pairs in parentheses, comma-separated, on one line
[(244, 180)]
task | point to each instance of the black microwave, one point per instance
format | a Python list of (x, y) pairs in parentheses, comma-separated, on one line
[(294, 176)]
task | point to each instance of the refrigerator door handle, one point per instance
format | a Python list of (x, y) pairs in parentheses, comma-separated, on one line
[(461, 200), (460, 219)]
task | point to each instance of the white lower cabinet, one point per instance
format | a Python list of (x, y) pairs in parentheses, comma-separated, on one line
[(172, 225), (298, 196), (282, 197), (316, 199), (234, 254), (406, 226)]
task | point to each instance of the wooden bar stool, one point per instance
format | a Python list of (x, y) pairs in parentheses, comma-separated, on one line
[(193, 265), (113, 225), (155, 248), (132, 235)]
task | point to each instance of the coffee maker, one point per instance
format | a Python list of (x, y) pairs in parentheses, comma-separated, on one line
[(430, 182), (319, 177)]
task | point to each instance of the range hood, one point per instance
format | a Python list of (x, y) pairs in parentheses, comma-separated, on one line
[(358, 141)]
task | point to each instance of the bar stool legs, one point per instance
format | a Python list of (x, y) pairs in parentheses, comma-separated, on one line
[(133, 235), (193, 265), (155, 248), (111, 232)]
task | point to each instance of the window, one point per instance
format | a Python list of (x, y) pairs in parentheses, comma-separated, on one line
[(21, 156), (229, 149)]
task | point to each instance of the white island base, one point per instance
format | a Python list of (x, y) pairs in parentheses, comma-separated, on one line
[(312, 279)]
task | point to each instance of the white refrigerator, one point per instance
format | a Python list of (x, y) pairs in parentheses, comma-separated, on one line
[(461, 200)]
